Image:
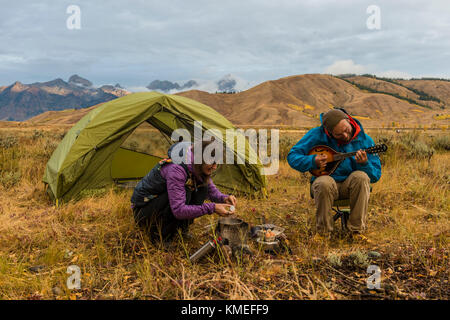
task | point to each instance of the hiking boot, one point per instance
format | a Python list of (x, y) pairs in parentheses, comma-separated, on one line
[(359, 237)]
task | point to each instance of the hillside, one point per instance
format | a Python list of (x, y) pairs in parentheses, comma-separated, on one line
[(297, 101), (388, 87), (69, 116), (436, 88)]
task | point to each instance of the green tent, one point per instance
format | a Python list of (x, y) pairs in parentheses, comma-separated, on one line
[(90, 156)]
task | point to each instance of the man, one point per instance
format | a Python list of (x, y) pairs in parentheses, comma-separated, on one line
[(351, 178)]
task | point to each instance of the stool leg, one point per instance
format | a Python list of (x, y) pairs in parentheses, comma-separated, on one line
[(343, 215), (344, 220), (337, 215)]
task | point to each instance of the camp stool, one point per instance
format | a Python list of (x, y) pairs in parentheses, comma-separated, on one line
[(343, 214)]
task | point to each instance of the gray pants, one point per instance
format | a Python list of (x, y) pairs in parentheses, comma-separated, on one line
[(356, 188)]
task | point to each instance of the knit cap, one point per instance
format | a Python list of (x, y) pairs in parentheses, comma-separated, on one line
[(332, 118)]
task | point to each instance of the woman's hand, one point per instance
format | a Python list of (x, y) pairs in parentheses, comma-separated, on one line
[(222, 209), (231, 200)]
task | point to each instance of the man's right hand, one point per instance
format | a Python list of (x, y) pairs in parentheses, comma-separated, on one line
[(321, 160), (223, 209)]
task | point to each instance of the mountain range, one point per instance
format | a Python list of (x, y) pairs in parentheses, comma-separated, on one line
[(167, 86), (20, 101), (297, 101), (227, 84)]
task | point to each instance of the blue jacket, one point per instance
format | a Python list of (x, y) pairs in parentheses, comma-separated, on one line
[(299, 160)]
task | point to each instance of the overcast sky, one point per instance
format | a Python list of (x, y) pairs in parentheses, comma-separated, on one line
[(136, 42)]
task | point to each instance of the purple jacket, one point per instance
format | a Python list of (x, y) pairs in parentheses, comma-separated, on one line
[(176, 178)]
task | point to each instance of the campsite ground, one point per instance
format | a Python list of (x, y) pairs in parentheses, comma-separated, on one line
[(408, 227)]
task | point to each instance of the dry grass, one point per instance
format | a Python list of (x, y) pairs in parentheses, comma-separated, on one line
[(408, 224)]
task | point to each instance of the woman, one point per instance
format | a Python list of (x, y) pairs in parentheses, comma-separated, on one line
[(172, 195)]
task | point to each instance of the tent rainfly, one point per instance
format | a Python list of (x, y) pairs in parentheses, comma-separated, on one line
[(90, 155)]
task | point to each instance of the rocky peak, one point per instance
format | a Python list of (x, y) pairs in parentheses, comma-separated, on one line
[(18, 87), (227, 83), (115, 90), (189, 84), (79, 81), (54, 83), (166, 85)]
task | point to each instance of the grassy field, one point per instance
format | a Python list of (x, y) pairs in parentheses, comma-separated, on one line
[(408, 225)]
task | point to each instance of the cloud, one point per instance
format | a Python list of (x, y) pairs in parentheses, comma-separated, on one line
[(137, 89), (393, 74), (8, 58), (349, 66), (257, 40), (232, 81), (345, 66)]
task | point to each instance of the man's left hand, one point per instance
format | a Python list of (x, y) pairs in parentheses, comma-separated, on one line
[(231, 200), (361, 157)]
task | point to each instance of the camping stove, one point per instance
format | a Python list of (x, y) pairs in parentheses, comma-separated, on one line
[(270, 237), (235, 234), (232, 235)]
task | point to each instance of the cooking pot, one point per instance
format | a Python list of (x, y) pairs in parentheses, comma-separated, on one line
[(233, 230)]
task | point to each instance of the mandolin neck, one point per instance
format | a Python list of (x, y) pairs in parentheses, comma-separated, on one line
[(342, 156)]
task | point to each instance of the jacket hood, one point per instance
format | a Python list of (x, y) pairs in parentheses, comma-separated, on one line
[(355, 123)]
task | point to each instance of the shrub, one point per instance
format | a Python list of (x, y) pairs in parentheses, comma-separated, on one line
[(441, 142), (9, 179), (415, 147), (359, 258), (286, 143), (420, 150), (8, 142), (383, 138), (37, 135), (334, 260)]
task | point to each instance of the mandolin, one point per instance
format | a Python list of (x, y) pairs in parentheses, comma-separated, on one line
[(334, 158)]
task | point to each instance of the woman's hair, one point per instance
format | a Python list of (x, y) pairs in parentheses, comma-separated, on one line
[(201, 145)]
